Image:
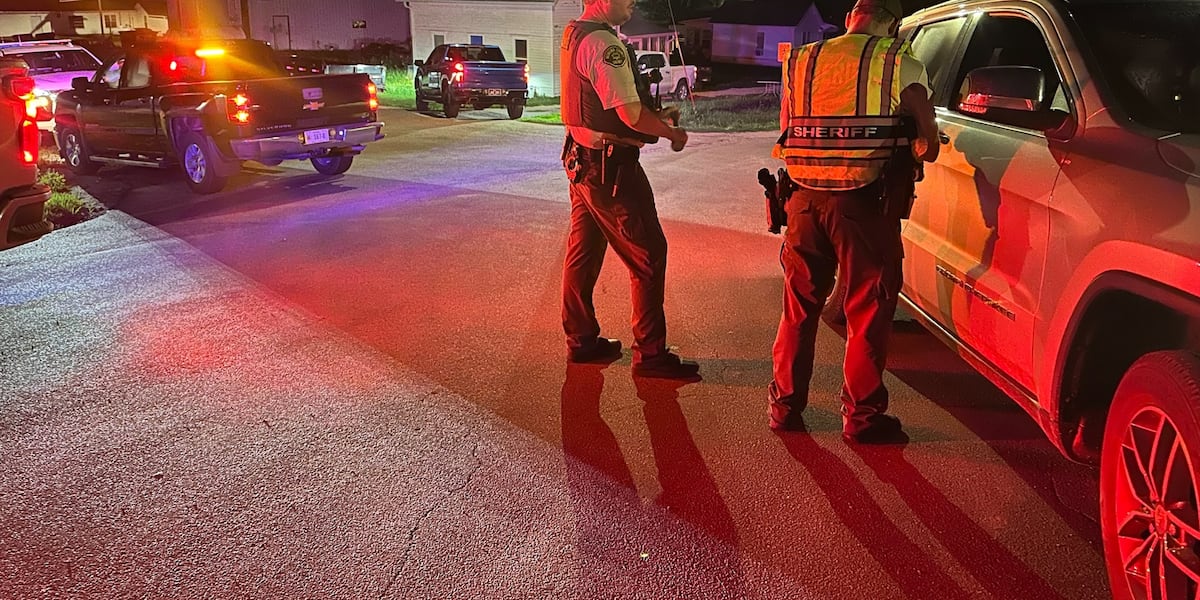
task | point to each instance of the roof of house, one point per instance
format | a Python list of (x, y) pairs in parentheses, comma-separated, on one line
[(786, 13), (154, 7)]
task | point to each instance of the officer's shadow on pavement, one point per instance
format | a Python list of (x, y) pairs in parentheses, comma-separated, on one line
[(1003, 574), (688, 488)]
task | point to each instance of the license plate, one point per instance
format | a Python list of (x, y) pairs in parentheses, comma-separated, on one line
[(316, 136), (495, 92)]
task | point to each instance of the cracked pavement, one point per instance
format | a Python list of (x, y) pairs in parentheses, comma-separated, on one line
[(354, 388)]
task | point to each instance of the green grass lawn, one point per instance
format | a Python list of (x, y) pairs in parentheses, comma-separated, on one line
[(399, 93), (722, 113)]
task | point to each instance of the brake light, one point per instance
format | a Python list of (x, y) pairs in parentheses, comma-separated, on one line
[(173, 66), (18, 87), (238, 108), (526, 72), (372, 96), (459, 67), (29, 137)]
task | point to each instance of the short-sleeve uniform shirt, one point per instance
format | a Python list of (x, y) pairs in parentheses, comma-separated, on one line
[(603, 61)]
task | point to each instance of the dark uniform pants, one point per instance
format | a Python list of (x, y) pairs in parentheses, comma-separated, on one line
[(827, 230), (627, 220)]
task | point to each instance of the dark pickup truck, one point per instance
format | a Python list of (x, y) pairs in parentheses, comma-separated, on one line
[(475, 75), (207, 105)]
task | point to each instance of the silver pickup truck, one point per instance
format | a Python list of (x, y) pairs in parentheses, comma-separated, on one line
[(1055, 243)]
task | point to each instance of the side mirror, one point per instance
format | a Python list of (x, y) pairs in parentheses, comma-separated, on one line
[(654, 76), (79, 83), (418, 63), (1012, 95)]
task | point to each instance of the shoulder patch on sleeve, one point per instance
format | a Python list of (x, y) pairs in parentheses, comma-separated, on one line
[(614, 55)]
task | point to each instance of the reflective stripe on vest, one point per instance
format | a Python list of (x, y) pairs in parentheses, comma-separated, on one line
[(842, 94)]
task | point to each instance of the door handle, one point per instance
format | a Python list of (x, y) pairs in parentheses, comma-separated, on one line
[(943, 138)]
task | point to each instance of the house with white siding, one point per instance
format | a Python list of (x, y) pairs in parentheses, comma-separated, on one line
[(748, 32), (52, 18), (320, 25), (528, 31)]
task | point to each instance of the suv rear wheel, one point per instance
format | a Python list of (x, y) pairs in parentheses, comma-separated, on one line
[(199, 163), (75, 152), (1148, 480)]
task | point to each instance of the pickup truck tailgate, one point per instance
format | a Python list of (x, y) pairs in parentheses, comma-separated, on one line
[(488, 74), (306, 102)]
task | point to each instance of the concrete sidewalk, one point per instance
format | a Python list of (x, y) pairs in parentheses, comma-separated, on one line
[(169, 429)]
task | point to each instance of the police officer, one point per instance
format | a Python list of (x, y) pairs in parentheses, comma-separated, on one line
[(611, 200), (846, 102)]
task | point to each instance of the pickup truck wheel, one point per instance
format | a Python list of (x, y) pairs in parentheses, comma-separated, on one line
[(450, 106), (682, 91), (515, 110), (199, 164), (1148, 480), (332, 165), (422, 105), (75, 152)]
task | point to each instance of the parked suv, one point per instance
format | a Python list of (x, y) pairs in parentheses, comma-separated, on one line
[(1055, 244), (22, 199), (52, 64)]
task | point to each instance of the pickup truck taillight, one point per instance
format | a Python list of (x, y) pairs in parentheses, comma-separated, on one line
[(526, 72), (20, 88), (459, 73), (238, 108), (372, 96)]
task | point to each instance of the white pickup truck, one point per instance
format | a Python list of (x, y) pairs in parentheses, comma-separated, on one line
[(678, 81)]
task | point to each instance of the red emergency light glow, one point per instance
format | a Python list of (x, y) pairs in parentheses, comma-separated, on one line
[(206, 52)]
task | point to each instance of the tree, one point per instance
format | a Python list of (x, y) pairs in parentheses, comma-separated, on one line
[(659, 11)]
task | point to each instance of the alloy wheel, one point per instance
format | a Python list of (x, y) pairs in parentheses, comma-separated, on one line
[(1158, 532), (194, 163)]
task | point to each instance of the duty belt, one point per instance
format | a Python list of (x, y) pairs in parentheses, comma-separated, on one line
[(618, 153)]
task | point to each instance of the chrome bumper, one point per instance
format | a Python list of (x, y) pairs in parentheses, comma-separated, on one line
[(342, 138)]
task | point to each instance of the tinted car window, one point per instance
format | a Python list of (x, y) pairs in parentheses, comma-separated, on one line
[(227, 60), (933, 45), (472, 53), (1012, 41), (651, 61), (57, 61), (1149, 55)]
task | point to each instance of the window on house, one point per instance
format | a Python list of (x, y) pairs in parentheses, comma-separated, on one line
[(521, 50), (760, 43), (477, 39), (438, 40), (110, 21)]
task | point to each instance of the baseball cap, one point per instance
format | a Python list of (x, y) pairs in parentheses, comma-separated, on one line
[(893, 7)]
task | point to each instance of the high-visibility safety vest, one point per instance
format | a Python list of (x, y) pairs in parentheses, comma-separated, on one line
[(842, 125)]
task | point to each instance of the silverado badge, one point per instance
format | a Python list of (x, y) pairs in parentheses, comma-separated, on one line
[(314, 105)]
